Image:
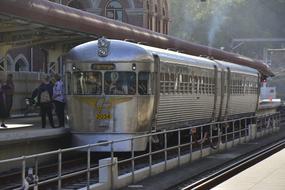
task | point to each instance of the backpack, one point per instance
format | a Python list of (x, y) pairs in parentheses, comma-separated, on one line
[(45, 97)]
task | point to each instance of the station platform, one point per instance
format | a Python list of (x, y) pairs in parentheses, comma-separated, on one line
[(26, 129), (267, 174)]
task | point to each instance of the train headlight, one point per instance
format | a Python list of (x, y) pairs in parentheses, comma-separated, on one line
[(134, 67)]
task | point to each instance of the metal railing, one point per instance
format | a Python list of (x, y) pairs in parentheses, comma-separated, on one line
[(175, 143)]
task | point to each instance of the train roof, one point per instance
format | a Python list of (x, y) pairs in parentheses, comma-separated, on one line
[(122, 51), (119, 51), (181, 58)]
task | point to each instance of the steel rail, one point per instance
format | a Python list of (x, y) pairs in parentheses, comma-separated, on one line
[(226, 173)]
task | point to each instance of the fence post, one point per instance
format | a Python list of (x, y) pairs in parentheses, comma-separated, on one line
[(108, 171), (88, 166), (36, 173), (59, 169), (24, 171), (226, 137), (191, 146), (133, 161), (165, 150), (150, 154), (179, 148)]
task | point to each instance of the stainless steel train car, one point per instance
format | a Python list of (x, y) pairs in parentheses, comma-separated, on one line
[(117, 89)]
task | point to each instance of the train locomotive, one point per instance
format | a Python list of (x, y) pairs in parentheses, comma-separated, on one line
[(118, 89)]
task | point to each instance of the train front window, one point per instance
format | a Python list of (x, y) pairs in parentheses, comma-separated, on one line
[(87, 83), (120, 83), (144, 83)]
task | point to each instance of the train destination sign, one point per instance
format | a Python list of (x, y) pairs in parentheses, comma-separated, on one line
[(102, 66)]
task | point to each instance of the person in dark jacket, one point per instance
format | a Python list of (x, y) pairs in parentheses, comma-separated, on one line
[(45, 91), (3, 106), (9, 90)]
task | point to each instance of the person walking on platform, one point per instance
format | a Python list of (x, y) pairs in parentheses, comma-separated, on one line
[(45, 101), (3, 108), (59, 99), (9, 90)]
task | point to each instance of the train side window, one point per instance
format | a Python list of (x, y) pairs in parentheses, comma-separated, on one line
[(190, 84), (232, 86), (167, 83), (184, 84), (240, 86), (172, 82), (243, 85), (200, 85), (209, 85), (181, 84), (144, 83), (206, 82), (199, 89), (120, 83), (162, 83), (196, 84), (176, 83), (213, 86)]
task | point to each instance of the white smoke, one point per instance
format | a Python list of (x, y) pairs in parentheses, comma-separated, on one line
[(220, 11)]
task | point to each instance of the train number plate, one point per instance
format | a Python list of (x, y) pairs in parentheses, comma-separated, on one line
[(103, 116)]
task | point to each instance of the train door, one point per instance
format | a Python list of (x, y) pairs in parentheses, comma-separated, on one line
[(222, 95), (156, 84), (215, 109), (227, 92), (258, 91)]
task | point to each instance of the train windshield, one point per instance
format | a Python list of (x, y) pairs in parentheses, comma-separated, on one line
[(120, 83), (87, 83), (144, 83)]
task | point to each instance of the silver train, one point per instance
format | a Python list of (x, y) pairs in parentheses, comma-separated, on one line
[(117, 89)]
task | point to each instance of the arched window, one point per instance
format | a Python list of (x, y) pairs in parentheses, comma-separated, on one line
[(21, 65), (10, 63), (114, 10)]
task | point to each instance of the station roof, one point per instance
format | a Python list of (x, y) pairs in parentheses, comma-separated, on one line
[(41, 21), (18, 30)]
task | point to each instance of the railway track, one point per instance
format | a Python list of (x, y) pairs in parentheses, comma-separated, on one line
[(227, 172)]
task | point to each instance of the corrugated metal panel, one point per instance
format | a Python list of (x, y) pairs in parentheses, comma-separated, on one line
[(174, 108)]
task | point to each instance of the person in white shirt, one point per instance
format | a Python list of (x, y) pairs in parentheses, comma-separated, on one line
[(59, 99)]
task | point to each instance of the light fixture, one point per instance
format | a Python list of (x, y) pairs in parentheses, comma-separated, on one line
[(133, 66)]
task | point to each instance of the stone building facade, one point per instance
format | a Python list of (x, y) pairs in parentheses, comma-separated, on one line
[(150, 14)]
